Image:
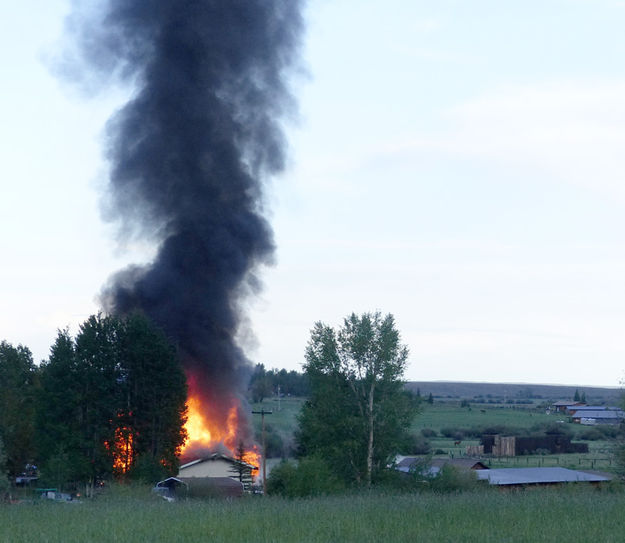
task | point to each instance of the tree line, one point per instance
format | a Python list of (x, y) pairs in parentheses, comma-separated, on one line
[(267, 383), (109, 402)]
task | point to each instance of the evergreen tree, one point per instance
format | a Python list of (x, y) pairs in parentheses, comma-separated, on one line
[(112, 402), (241, 469), (4, 480), (17, 392), (153, 411), (60, 438)]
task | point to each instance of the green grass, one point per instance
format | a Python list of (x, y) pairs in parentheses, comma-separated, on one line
[(284, 414), (443, 415), (487, 515)]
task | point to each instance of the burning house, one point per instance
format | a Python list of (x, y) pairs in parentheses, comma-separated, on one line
[(189, 154)]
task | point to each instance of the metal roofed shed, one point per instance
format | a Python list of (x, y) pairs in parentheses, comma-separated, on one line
[(597, 417), (537, 476)]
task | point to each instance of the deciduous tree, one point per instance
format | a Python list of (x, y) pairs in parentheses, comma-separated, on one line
[(358, 412)]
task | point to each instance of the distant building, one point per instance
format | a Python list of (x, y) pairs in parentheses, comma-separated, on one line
[(175, 488), (433, 468), (510, 477), (217, 466), (214, 465), (591, 418), (565, 406)]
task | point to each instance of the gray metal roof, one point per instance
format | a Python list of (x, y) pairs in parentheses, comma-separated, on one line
[(590, 407), (529, 476), (598, 414)]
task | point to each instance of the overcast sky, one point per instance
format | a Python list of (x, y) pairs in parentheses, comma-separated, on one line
[(458, 164)]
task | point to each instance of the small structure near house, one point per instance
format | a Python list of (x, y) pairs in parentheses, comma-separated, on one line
[(519, 477), (176, 488), (172, 488)]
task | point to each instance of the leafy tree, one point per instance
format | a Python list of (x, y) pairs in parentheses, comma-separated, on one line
[(310, 477), (260, 384), (358, 412), (17, 390)]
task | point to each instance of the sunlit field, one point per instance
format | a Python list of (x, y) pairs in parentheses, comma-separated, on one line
[(487, 515)]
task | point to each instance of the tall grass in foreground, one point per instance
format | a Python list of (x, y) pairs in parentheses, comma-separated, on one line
[(545, 515)]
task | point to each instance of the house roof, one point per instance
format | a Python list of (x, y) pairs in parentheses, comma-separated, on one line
[(462, 463), (590, 407), (562, 403), (599, 414), (529, 476), (434, 467), (213, 457)]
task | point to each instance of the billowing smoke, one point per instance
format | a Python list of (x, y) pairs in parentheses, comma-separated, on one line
[(189, 153)]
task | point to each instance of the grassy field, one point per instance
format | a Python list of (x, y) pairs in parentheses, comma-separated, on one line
[(440, 415), (487, 515), (451, 415), (283, 416)]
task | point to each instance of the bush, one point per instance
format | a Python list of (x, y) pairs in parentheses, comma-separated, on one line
[(428, 432), (311, 477), (418, 445), (552, 429), (449, 479), (592, 434), (453, 433)]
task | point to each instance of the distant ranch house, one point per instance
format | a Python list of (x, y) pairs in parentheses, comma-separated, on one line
[(566, 406)]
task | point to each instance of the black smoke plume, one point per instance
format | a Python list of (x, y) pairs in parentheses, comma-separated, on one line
[(189, 154)]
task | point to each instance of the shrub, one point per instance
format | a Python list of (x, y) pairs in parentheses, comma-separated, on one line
[(453, 433), (591, 434), (311, 477), (428, 432), (418, 445), (449, 479)]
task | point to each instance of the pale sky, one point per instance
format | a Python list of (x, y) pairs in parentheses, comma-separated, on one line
[(458, 164)]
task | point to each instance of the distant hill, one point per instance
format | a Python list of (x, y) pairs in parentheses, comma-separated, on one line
[(505, 392)]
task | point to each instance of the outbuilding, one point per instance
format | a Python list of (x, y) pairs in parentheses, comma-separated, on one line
[(511, 477)]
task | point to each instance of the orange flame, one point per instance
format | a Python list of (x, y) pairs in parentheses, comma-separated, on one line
[(205, 433), (122, 450)]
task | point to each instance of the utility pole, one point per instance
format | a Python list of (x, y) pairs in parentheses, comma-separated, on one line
[(262, 414)]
